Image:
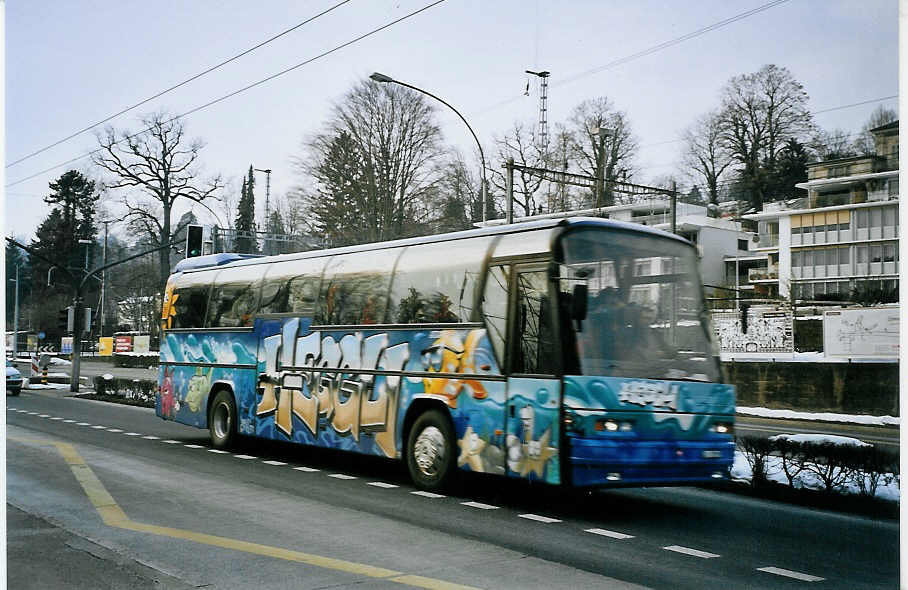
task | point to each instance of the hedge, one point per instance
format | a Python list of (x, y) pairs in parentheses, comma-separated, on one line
[(833, 466), (140, 392), (136, 361)]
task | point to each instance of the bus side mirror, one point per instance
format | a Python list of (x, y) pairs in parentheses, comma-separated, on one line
[(578, 303)]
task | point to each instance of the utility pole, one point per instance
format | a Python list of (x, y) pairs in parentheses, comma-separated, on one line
[(543, 137), (267, 172), (674, 206), (16, 319), (103, 282), (601, 133), (510, 190)]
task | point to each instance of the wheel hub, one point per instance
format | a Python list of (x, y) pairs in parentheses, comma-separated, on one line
[(429, 451)]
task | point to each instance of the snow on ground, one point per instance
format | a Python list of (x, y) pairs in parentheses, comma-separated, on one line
[(822, 438), (60, 362), (796, 357), (821, 416), (888, 488), (31, 386)]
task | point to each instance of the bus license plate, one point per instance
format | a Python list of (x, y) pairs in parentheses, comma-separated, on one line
[(712, 454)]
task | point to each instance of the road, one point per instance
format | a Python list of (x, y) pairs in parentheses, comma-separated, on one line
[(152, 495)]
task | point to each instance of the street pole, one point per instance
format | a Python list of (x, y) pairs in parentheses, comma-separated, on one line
[(16, 319), (267, 172), (389, 80), (674, 206), (600, 164), (510, 190), (103, 283)]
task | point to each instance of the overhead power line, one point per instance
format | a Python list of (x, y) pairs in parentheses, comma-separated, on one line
[(178, 85), (241, 90), (652, 49)]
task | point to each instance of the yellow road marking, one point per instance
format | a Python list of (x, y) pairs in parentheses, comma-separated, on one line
[(113, 516)]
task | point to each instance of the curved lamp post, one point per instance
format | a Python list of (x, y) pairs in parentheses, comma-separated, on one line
[(389, 80)]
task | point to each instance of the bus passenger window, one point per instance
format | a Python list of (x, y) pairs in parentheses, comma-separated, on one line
[(354, 290), (231, 306), (189, 306)]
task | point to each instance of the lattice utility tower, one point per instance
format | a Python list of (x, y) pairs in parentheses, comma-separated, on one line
[(543, 136)]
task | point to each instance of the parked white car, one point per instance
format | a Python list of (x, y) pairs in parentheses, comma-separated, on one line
[(13, 379)]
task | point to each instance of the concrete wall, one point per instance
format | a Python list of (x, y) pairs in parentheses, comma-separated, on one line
[(846, 388)]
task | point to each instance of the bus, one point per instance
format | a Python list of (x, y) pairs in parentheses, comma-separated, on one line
[(574, 352)]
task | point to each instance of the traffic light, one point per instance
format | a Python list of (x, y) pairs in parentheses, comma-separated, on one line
[(193, 241), (65, 319)]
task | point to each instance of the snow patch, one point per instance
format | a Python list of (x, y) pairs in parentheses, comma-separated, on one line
[(822, 416), (822, 439)]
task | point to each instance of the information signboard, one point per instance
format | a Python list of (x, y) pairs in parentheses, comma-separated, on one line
[(864, 332)]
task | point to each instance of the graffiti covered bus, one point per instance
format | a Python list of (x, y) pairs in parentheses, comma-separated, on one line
[(573, 352)]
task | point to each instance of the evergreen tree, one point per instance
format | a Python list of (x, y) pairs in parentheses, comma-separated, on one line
[(245, 218), (789, 168)]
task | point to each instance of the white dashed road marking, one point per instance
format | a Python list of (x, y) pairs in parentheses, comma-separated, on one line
[(537, 518), (83, 424), (98, 427), (171, 442), (44, 416), (151, 437), (381, 484), (306, 469), (69, 421), (427, 494), (133, 433), (114, 430), (194, 446), (245, 457), (790, 574), (480, 505), (341, 476), (277, 463), (612, 534), (56, 418), (689, 551), (218, 451), (32, 413)]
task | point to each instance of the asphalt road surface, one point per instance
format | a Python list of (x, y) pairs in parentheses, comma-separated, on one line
[(147, 503)]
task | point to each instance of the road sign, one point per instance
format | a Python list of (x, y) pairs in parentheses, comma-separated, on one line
[(66, 345)]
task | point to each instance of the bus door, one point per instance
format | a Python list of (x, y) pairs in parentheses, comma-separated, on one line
[(534, 391)]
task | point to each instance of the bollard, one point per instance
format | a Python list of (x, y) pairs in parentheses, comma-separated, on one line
[(44, 375)]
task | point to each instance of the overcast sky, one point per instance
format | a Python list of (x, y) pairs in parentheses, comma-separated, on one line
[(72, 63)]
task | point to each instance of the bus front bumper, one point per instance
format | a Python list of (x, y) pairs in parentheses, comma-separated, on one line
[(597, 462)]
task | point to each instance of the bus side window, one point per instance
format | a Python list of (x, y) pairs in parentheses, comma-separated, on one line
[(495, 307), (189, 306)]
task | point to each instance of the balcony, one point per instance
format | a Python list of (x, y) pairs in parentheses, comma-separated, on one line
[(768, 240), (763, 274)]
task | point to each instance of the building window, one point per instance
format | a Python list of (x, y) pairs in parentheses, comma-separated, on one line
[(843, 255), (742, 244), (862, 218), (876, 253), (795, 259), (889, 253), (894, 184), (876, 218), (889, 214), (861, 254)]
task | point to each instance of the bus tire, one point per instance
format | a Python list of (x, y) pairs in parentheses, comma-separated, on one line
[(222, 420), (430, 450)]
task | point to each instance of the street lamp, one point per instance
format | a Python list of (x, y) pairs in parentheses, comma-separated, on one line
[(389, 80), (267, 172)]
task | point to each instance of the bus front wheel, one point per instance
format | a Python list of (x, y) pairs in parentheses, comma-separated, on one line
[(222, 420), (430, 450)]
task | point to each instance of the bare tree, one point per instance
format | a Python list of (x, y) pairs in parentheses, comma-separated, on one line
[(864, 143), (162, 164), (760, 113), (372, 165), (518, 144), (830, 145), (705, 158), (615, 153)]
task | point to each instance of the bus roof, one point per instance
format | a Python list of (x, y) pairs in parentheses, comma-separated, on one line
[(234, 260)]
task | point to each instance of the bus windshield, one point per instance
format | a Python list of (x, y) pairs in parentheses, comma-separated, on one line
[(644, 307)]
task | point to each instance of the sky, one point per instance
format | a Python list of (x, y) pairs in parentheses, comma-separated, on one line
[(71, 64)]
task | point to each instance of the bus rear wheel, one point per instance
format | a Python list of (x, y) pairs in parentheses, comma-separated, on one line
[(222, 420), (430, 451)]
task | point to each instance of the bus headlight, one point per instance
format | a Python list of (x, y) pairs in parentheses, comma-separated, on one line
[(614, 426), (723, 428)]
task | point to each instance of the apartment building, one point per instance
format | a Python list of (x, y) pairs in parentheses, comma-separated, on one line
[(843, 233)]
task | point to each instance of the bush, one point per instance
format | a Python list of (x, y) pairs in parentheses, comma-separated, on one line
[(139, 390), (824, 465), (136, 361)]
